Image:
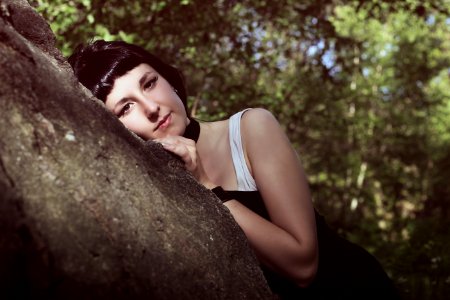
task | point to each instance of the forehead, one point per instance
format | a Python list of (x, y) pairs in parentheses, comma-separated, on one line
[(127, 82)]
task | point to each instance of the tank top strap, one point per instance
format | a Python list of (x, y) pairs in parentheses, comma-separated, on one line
[(245, 180)]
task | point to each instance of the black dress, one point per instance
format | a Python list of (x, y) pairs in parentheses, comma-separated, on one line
[(345, 271)]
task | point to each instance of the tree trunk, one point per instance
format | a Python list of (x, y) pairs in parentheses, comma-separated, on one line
[(87, 209)]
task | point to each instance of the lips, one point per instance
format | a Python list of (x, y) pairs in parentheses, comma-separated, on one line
[(164, 122)]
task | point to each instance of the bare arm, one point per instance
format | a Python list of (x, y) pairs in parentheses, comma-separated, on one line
[(287, 244)]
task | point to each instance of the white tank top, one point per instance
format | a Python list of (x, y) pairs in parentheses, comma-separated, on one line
[(245, 180)]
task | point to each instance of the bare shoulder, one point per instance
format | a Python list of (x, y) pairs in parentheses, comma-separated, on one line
[(258, 114), (259, 121), (259, 124), (264, 141)]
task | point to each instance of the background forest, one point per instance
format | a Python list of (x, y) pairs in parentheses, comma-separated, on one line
[(361, 87)]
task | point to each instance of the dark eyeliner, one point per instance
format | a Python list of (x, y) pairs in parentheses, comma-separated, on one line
[(150, 83), (123, 110)]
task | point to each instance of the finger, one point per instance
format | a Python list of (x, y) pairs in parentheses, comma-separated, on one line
[(183, 152), (176, 140), (185, 148), (172, 142)]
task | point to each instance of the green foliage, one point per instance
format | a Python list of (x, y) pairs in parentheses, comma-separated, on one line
[(362, 89)]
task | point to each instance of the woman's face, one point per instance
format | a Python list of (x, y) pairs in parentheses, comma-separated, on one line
[(147, 104)]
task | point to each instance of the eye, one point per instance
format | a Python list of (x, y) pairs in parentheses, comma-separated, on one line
[(150, 83), (125, 110)]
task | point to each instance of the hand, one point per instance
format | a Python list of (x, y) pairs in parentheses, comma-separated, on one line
[(187, 151)]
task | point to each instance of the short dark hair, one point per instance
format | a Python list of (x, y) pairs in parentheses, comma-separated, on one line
[(99, 63)]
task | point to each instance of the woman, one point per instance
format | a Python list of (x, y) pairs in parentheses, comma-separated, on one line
[(247, 161)]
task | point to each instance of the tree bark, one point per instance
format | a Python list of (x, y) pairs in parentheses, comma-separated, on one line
[(87, 209)]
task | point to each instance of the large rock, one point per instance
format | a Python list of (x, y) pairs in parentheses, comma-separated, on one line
[(87, 209)]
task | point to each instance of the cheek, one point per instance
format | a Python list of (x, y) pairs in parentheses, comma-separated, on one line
[(177, 101), (134, 124), (142, 131)]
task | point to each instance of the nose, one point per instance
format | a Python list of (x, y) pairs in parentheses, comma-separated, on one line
[(151, 109)]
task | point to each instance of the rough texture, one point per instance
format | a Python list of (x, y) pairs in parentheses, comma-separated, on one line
[(87, 209)]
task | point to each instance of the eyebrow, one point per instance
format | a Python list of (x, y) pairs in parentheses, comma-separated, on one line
[(141, 83)]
